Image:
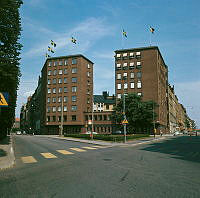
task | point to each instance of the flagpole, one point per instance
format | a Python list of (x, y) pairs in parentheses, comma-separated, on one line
[(122, 40), (150, 37)]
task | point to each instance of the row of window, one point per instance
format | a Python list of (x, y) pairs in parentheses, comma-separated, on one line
[(130, 55), (64, 71), (60, 89), (62, 62), (60, 80), (132, 85), (53, 118), (59, 99), (59, 108), (98, 117), (119, 96), (132, 75)]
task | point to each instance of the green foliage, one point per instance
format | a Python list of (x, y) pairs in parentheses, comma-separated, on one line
[(140, 114), (107, 137), (10, 27)]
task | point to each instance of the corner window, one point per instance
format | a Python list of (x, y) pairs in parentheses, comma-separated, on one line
[(88, 66)]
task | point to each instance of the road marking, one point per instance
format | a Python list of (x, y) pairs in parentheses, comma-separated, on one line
[(89, 148), (64, 152), (48, 155), (77, 149), (98, 146), (28, 159)]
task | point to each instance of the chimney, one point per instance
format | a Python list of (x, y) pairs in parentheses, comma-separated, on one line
[(105, 94)]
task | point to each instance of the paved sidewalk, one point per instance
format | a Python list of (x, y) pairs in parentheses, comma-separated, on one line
[(106, 143), (7, 157)]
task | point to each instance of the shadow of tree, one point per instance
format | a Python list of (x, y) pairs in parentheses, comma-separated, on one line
[(2, 153), (5, 140), (181, 147)]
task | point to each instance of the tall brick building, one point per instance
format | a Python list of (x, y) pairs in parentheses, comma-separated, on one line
[(143, 71), (68, 79)]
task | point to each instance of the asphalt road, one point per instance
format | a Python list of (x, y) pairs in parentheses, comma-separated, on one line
[(45, 168)]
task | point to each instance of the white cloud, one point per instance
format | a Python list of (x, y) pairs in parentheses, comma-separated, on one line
[(188, 94)]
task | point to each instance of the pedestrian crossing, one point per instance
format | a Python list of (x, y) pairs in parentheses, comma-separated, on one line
[(73, 150)]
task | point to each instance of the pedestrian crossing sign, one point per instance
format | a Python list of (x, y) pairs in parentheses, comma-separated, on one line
[(3, 99), (125, 121)]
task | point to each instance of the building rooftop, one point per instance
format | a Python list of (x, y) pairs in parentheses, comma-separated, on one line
[(103, 99)]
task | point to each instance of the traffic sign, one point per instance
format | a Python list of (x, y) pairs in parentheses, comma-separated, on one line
[(3, 99), (125, 121)]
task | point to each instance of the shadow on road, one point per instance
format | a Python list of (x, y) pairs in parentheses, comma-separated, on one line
[(5, 141), (2, 153), (182, 147)]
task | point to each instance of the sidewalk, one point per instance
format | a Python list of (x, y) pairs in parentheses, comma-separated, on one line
[(7, 157), (106, 143)]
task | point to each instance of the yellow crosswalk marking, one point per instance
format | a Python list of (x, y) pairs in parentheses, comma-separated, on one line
[(89, 148), (64, 152), (98, 146), (77, 149), (48, 155), (28, 159)]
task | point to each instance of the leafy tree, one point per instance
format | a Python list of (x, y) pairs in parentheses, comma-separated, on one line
[(140, 114), (10, 28)]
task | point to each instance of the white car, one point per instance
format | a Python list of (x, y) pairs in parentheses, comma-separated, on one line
[(177, 133), (89, 132), (18, 132)]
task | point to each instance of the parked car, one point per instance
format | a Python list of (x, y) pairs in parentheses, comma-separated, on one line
[(177, 133), (90, 132), (117, 132), (18, 132)]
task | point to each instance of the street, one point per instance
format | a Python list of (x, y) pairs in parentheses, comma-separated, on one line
[(47, 167)]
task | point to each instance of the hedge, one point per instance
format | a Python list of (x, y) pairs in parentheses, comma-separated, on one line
[(108, 137)]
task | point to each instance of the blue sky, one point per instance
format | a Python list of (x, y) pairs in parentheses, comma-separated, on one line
[(97, 26)]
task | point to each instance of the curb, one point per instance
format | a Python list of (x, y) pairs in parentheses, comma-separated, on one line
[(10, 158)]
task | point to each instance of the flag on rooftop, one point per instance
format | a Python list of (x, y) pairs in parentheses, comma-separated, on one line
[(53, 43), (152, 29), (73, 40), (124, 33), (50, 49), (47, 55)]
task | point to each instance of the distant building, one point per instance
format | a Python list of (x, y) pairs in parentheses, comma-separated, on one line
[(144, 72), (16, 123)]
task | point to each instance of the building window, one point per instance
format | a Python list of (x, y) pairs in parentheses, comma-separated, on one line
[(54, 72), (73, 98), (125, 56), (139, 74), (74, 107), (49, 63), (125, 86), (88, 101), (88, 74), (104, 117), (59, 99), (65, 62), (49, 72), (74, 61), (73, 117), (48, 118), (65, 90), (119, 76), (74, 79), (65, 118), (54, 81), (139, 94), (54, 90), (119, 96), (118, 55), (88, 66), (59, 80), (74, 89), (60, 90), (60, 63), (65, 98), (119, 86), (49, 81), (59, 118), (65, 80), (107, 107), (138, 63), (55, 63), (132, 85), (65, 71), (118, 66), (49, 90), (54, 109), (139, 66), (60, 71), (48, 109), (48, 100), (125, 64), (54, 118), (131, 65), (125, 76), (100, 117), (54, 99), (74, 70), (59, 108), (131, 55), (138, 54), (139, 84), (132, 75), (65, 108)]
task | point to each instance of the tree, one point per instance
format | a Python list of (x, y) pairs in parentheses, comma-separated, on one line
[(140, 114), (10, 28)]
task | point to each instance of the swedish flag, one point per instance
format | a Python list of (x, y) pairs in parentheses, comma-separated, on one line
[(49, 49), (152, 29), (52, 50), (53, 43), (47, 55), (124, 33), (73, 40)]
